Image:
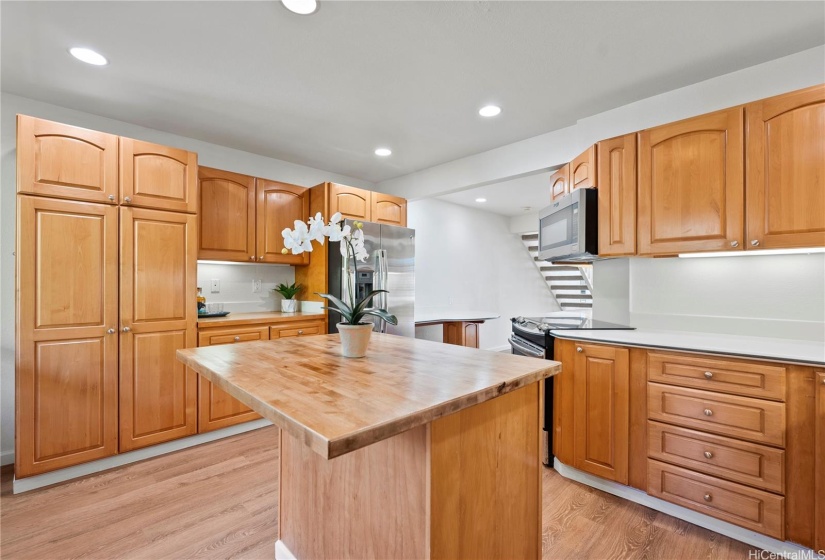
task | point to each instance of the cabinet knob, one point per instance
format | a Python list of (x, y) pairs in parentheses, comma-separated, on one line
[(127, 200), (708, 497), (708, 412), (708, 375), (261, 258), (708, 455), (300, 332), (755, 243), (579, 349), (110, 331), (734, 244), (126, 329), (237, 339), (111, 197), (251, 257)]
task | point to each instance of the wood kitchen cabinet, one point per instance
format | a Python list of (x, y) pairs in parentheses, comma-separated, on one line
[(158, 316), (351, 202), (583, 170), (819, 491), (298, 328), (388, 209), (560, 182), (159, 177), (63, 161), (617, 196), (786, 170), (691, 185), (241, 217), (67, 346)]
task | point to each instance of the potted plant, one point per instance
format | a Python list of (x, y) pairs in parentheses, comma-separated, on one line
[(355, 332), (289, 304)]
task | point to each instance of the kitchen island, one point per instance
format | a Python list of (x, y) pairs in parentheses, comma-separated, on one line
[(419, 450)]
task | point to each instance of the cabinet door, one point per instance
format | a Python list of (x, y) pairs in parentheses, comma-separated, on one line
[(66, 374), (217, 408), (691, 185), (583, 170), (158, 308), (350, 202), (786, 170), (560, 182), (279, 205), (65, 161), (617, 196), (388, 209), (155, 176), (819, 421), (601, 377), (226, 228)]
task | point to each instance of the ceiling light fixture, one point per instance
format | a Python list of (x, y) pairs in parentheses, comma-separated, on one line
[(489, 111), (481, 200), (301, 7), (88, 56), (383, 152)]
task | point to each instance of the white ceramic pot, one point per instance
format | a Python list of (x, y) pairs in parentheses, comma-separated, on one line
[(354, 339), (289, 305)]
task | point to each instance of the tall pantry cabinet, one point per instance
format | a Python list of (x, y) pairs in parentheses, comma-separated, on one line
[(106, 278)]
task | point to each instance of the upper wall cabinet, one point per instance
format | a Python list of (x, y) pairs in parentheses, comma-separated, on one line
[(583, 170), (617, 196), (388, 209), (279, 205), (65, 161), (351, 202), (560, 182), (691, 185), (227, 215), (786, 170), (160, 177)]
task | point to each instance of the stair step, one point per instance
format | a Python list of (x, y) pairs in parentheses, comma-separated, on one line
[(568, 287), (562, 277), (574, 296), (530, 237), (577, 305)]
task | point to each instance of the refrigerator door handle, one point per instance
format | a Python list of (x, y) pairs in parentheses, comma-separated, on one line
[(380, 282)]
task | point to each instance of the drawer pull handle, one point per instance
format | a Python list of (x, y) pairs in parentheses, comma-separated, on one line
[(237, 339), (126, 329), (112, 197), (708, 375), (708, 497), (708, 455), (708, 412), (579, 349), (110, 331), (127, 200), (300, 332)]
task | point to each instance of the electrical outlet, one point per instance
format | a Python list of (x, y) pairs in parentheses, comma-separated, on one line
[(256, 286), (216, 285)]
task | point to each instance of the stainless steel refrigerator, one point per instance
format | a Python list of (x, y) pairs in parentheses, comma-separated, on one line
[(390, 266)]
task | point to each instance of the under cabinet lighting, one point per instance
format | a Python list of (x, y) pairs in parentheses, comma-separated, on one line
[(88, 56), (753, 253), (301, 7)]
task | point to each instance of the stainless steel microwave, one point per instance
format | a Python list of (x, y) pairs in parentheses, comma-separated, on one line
[(568, 228)]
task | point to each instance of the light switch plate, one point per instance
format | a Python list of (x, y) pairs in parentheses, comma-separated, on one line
[(216, 285), (256, 286)]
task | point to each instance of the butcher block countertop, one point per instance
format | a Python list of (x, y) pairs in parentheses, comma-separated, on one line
[(259, 318), (336, 405)]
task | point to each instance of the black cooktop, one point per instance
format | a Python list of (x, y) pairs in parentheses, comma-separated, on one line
[(561, 322)]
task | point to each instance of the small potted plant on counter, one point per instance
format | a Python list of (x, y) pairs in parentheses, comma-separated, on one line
[(355, 332), (289, 304)]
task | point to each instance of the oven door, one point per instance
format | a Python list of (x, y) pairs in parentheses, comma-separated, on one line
[(525, 348)]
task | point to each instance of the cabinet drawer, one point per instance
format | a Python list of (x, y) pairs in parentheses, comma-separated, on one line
[(229, 336), (297, 329), (753, 509), (727, 376), (739, 461), (741, 417)]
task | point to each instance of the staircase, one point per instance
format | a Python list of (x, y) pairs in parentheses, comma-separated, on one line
[(570, 284)]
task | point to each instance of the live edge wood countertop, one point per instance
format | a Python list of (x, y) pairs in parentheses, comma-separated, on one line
[(336, 405)]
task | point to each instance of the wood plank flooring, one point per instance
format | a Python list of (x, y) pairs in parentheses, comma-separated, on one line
[(219, 500)]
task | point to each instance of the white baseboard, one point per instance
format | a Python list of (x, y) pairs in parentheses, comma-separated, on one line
[(69, 473), (783, 548), (282, 552)]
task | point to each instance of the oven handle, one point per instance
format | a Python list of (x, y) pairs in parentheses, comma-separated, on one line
[(534, 352)]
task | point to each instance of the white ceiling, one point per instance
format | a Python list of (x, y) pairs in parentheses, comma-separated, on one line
[(327, 89), (514, 197)]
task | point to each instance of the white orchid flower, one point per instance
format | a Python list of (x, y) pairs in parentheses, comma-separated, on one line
[(297, 240), (336, 233), (316, 228), (336, 218)]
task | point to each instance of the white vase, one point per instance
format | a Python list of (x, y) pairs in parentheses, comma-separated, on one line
[(354, 339), (289, 305)]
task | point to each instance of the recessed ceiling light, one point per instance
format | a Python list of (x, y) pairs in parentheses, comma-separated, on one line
[(383, 152), (489, 111), (88, 56), (301, 7), (481, 200)]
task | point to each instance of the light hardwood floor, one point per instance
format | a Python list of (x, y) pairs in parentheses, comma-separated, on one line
[(219, 500)]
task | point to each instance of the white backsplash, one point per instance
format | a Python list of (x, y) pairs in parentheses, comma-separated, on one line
[(237, 282)]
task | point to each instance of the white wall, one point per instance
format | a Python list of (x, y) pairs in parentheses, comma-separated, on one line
[(208, 154), (780, 296), (467, 260)]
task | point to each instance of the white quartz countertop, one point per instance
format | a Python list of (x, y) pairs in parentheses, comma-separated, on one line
[(432, 317), (780, 349)]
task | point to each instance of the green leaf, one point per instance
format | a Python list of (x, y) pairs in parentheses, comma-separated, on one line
[(384, 314), (345, 316), (364, 303)]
